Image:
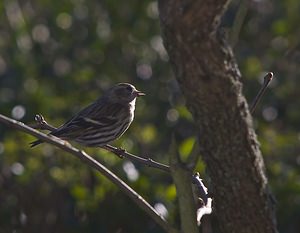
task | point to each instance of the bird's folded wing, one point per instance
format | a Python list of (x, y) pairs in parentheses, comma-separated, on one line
[(93, 122), (103, 121), (80, 124)]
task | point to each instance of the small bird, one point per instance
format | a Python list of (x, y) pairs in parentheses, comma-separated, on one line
[(102, 121)]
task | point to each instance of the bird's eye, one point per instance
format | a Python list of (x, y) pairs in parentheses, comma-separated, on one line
[(129, 89)]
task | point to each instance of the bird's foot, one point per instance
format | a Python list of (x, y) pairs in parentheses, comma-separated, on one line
[(117, 151), (120, 152)]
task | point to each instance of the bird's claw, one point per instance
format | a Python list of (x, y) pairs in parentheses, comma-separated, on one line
[(120, 152)]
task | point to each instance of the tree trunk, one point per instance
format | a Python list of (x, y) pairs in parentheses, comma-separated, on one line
[(211, 82)]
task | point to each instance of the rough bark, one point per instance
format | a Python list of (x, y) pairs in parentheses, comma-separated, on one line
[(210, 80)]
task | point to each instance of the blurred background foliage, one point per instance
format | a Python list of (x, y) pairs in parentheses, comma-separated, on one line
[(58, 56)]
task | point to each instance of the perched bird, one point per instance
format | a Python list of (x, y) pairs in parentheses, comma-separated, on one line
[(102, 121)]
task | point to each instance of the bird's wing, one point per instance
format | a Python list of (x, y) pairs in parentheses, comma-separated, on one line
[(93, 117)]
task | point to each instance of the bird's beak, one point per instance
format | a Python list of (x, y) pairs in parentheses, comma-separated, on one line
[(139, 93)]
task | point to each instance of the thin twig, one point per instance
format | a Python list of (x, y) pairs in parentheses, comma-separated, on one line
[(267, 79), (41, 123), (142, 203), (146, 161)]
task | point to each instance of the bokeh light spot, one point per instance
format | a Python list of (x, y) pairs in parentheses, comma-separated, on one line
[(270, 113), (161, 209), (156, 43), (152, 10), (130, 170), (17, 169), (64, 20), (103, 30), (144, 71), (40, 33), (24, 43), (172, 115), (61, 66), (18, 112), (23, 218)]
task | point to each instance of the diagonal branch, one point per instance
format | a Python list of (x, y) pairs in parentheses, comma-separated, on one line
[(142, 203)]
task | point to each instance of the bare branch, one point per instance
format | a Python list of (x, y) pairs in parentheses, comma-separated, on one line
[(146, 161), (142, 203), (267, 79)]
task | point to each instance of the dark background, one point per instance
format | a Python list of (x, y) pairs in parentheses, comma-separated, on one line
[(58, 56)]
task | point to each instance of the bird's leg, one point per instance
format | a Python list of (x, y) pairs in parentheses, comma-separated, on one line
[(120, 152)]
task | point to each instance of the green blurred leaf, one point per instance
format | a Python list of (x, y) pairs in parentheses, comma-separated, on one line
[(186, 147), (148, 133), (79, 192)]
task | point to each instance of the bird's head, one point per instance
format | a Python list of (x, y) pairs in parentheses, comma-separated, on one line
[(123, 93)]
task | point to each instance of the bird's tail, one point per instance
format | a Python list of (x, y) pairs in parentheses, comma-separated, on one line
[(35, 143)]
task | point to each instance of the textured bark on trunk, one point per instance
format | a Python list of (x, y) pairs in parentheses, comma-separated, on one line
[(211, 82)]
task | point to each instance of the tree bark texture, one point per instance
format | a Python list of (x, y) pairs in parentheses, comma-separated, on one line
[(210, 80)]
